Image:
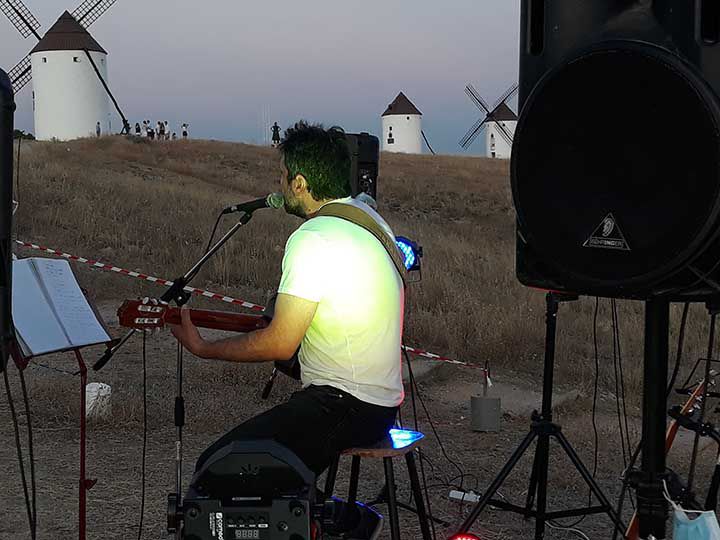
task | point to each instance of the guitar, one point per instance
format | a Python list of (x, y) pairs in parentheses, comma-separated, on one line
[(149, 315), (633, 530)]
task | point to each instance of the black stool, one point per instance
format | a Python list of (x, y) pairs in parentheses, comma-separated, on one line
[(399, 442)]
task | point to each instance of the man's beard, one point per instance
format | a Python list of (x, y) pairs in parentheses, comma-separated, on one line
[(294, 206)]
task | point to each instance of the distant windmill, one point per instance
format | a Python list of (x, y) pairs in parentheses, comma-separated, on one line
[(70, 83), (499, 120)]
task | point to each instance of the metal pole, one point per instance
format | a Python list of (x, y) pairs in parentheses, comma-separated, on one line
[(652, 507), (7, 111)]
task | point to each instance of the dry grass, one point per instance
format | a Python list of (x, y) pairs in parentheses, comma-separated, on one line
[(150, 207)]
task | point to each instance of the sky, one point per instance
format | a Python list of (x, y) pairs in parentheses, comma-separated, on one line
[(228, 66)]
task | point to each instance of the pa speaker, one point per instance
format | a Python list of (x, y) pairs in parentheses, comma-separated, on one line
[(7, 111), (616, 158), (364, 163)]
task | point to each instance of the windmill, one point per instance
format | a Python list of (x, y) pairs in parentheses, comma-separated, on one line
[(70, 71), (498, 122)]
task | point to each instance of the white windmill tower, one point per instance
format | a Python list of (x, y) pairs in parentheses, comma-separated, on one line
[(402, 127), (493, 140), (497, 125), (69, 72)]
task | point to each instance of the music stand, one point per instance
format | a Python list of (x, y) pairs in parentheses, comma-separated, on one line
[(84, 483)]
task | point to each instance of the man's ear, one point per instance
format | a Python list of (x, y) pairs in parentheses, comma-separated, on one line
[(299, 184)]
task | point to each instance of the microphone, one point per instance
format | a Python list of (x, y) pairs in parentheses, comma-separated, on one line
[(274, 200)]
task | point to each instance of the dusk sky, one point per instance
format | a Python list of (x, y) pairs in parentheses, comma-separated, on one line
[(222, 65)]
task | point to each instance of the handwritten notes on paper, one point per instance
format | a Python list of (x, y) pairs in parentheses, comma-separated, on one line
[(50, 311)]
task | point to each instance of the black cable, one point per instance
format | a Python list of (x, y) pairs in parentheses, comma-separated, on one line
[(31, 453), (413, 390), (144, 448), (678, 356), (595, 391), (625, 484), (622, 388), (617, 384), (703, 403), (426, 142), (437, 436), (21, 461), (212, 234)]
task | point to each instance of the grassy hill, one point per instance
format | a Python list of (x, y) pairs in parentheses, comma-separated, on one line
[(151, 206)]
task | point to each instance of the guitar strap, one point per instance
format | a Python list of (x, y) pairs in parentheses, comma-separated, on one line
[(355, 215)]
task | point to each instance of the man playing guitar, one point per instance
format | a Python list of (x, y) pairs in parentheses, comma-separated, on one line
[(340, 299)]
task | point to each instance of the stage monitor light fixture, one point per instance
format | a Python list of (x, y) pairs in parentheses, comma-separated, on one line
[(411, 253), (616, 158)]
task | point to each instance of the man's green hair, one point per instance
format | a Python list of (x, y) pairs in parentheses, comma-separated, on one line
[(321, 156)]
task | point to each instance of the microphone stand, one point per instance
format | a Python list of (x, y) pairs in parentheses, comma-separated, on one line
[(177, 293)]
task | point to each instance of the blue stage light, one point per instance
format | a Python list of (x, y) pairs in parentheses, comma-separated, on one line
[(410, 251)]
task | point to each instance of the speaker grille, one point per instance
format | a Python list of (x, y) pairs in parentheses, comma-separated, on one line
[(629, 132)]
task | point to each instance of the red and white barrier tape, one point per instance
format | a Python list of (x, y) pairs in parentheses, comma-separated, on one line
[(109, 267), (200, 292)]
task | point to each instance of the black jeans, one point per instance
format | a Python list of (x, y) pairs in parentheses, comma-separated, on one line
[(315, 423)]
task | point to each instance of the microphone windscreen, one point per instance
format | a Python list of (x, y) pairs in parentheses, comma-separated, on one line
[(275, 200)]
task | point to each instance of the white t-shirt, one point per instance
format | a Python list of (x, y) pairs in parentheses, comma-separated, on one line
[(353, 342)]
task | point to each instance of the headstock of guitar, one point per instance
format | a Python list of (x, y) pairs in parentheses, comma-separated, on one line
[(145, 314)]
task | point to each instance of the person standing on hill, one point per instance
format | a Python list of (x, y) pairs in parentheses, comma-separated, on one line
[(160, 131), (138, 131), (98, 130), (348, 328), (275, 135), (185, 131)]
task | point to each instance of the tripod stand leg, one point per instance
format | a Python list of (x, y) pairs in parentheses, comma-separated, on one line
[(590, 481), (541, 459), (532, 487), (504, 473)]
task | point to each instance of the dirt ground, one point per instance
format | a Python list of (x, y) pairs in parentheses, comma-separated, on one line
[(219, 396)]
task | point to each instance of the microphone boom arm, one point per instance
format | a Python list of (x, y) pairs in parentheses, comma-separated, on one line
[(177, 293)]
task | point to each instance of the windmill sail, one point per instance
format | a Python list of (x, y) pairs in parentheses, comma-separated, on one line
[(20, 16), (477, 98), (472, 133), (510, 92), (496, 115), (21, 74), (90, 11)]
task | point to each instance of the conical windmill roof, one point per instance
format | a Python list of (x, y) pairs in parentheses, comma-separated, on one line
[(504, 114), (67, 35), (401, 105)]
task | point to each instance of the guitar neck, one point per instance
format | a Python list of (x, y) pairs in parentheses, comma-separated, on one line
[(218, 320)]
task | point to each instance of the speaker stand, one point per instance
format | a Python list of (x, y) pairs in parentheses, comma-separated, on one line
[(651, 503), (543, 428)]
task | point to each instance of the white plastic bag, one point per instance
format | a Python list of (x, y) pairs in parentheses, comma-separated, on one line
[(97, 400)]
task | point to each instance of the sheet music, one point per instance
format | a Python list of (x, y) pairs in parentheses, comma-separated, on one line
[(34, 319), (69, 303)]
